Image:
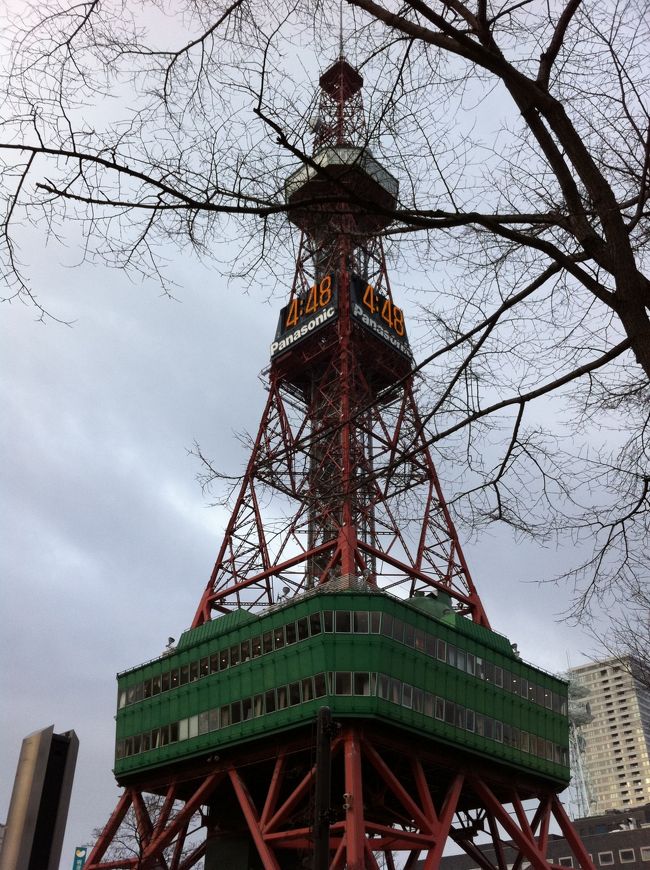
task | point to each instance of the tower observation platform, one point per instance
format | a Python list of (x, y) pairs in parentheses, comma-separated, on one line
[(354, 597)]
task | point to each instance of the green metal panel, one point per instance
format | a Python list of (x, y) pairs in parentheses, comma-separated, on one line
[(420, 633)]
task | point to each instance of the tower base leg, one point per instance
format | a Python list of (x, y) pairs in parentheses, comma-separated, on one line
[(394, 803)]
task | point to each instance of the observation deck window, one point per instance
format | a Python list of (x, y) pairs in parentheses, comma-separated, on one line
[(398, 630), (308, 689), (361, 622), (450, 712), (319, 685), (362, 684), (343, 621), (294, 694)]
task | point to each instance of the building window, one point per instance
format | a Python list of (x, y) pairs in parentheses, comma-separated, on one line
[(645, 853), (343, 621), (605, 858), (566, 862), (626, 856)]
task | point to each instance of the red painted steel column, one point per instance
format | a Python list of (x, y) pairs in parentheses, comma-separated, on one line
[(252, 820), (355, 833), (111, 828), (347, 536), (432, 860), (572, 837)]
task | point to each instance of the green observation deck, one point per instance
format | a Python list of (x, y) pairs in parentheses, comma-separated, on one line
[(410, 663)]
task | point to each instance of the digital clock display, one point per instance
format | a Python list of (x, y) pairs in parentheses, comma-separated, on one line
[(379, 314), (305, 314)]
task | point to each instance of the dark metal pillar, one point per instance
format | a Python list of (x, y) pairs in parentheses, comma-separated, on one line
[(323, 790)]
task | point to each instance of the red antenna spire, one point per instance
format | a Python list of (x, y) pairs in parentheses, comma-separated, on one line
[(341, 119)]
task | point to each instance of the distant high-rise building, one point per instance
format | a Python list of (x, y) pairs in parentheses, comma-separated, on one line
[(616, 742)]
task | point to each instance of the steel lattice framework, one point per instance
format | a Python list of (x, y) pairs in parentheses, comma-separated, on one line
[(340, 487), (344, 447), (402, 805)]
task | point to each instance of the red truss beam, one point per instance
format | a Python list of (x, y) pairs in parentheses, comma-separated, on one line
[(355, 488), (391, 799)]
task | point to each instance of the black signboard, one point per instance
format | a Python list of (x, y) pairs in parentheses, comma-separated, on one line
[(379, 315)]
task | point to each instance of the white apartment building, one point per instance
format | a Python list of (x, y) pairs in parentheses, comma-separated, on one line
[(617, 741)]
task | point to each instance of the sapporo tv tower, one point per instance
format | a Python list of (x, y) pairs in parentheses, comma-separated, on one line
[(340, 700)]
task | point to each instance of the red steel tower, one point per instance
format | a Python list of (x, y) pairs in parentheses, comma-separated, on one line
[(340, 582)]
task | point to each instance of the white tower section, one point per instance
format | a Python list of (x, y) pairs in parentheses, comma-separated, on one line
[(579, 716)]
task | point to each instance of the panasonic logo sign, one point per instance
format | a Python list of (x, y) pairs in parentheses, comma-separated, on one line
[(300, 333), (375, 327)]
